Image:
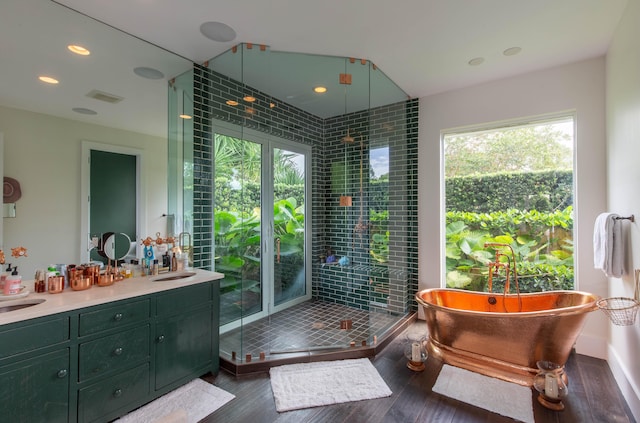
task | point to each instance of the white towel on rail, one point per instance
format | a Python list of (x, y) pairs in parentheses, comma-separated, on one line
[(608, 249)]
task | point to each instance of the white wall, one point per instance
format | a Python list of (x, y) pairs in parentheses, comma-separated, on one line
[(623, 177), (579, 87), (43, 153)]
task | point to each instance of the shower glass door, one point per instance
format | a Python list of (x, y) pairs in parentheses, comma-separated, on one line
[(289, 234), (259, 225), (237, 227)]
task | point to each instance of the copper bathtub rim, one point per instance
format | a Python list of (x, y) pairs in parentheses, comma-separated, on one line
[(577, 309)]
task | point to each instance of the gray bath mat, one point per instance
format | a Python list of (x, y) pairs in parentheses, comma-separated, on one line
[(504, 398)]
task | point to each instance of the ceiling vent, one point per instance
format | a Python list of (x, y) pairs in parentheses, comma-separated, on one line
[(102, 96)]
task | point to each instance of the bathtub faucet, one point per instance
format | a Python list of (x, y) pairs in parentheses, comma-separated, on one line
[(494, 270), (495, 266)]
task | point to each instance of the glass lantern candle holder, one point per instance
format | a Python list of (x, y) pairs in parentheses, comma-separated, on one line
[(551, 383), (415, 351)]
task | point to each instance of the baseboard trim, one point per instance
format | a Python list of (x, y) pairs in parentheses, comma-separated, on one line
[(626, 384), (593, 346)]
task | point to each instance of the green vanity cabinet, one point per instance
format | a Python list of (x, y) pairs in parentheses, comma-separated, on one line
[(186, 337), (97, 363), (35, 370)]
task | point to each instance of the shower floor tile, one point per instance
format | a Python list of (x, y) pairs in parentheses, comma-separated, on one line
[(310, 326)]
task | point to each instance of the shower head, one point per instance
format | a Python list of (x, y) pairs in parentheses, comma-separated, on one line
[(348, 139)]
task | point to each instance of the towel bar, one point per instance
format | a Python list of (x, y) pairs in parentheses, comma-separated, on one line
[(631, 218)]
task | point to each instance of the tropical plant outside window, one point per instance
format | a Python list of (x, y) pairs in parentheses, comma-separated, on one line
[(510, 185), (379, 205)]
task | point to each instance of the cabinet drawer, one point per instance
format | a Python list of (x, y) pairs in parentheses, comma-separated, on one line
[(178, 300), (113, 393), (113, 352), (41, 333), (121, 314)]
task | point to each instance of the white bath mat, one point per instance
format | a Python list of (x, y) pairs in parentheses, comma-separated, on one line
[(189, 403), (320, 383), (504, 398)]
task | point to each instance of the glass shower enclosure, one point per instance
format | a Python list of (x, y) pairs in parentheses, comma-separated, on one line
[(305, 200)]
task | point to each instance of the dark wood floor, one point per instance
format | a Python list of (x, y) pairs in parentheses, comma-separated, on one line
[(593, 397)]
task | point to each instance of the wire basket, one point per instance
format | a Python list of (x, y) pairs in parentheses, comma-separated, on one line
[(622, 311)]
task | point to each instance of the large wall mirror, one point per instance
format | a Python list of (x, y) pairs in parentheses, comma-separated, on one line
[(115, 96)]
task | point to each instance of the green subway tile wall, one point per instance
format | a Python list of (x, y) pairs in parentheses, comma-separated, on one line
[(335, 172)]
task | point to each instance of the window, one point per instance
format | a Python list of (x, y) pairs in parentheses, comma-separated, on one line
[(509, 195)]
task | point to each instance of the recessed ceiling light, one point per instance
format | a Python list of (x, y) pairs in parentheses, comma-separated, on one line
[(217, 31), (84, 111), (184, 116), (249, 99), (149, 73), (48, 79), (512, 51), (232, 102), (78, 50), (476, 61), (320, 89)]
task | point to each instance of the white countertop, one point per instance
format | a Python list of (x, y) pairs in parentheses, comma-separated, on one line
[(69, 300)]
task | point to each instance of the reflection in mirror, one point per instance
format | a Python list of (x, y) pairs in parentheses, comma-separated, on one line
[(43, 133), (9, 210), (117, 246)]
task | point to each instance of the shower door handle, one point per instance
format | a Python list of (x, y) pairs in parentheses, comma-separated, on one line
[(277, 250)]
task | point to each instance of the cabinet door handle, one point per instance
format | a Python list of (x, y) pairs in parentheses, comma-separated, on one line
[(118, 351), (117, 317), (160, 338), (117, 392), (62, 373)]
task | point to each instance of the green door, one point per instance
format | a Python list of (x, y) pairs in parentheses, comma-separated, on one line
[(113, 197)]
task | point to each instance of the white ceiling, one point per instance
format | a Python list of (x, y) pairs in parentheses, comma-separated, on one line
[(424, 46)]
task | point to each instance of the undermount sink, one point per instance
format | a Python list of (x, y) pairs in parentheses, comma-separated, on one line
[(173, 276), (14, 305)]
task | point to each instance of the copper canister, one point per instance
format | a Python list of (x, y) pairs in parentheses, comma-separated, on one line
[(92, 271), (55, 284), (75, 272)]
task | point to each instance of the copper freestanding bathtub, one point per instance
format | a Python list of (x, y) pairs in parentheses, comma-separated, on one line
[(500, 335)]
